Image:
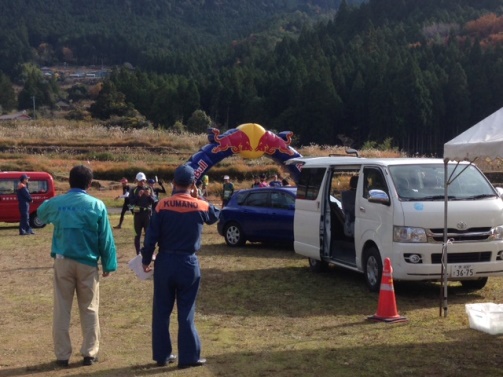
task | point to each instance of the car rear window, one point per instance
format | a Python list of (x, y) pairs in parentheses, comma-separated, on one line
[(256, 199)]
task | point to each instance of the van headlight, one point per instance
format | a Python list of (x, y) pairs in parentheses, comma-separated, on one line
[(497, 232), (408, 234)]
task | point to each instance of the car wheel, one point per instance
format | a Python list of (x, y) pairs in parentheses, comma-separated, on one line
[(316, 265), (234, 235), (35, 221), (474, 285), (372, 269)]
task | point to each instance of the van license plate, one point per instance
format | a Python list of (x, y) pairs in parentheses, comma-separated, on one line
[(461, 270)]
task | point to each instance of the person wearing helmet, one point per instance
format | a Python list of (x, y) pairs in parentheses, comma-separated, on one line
[(141, 198), (151, 182), (125, 196), (228, 190)]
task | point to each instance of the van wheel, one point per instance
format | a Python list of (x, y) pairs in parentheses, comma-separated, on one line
[(316, 265), (372, 269), (474, 285), (35, 221), (234, 235)]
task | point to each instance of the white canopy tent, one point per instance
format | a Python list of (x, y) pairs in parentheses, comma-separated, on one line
[(483, 140)]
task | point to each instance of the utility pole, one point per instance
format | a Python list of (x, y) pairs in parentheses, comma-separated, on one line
[(33, 99)]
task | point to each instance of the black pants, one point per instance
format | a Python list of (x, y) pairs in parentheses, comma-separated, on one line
[(125, 208), (141, 221)]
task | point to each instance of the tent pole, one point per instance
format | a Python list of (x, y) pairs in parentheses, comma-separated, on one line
[(444, 273)]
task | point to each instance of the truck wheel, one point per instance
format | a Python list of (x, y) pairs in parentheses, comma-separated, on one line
[(372, 269), (316, 265), (234, 235), (474, 285), (35, 221)]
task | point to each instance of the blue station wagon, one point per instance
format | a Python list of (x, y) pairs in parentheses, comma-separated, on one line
[(262, 214)]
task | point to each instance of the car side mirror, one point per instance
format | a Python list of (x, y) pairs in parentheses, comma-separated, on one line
[(499, 190), (379, 196)]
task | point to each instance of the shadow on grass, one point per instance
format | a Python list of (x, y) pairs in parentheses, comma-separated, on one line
[(9, 226), (256, 249), (297, 292), (468, 353)]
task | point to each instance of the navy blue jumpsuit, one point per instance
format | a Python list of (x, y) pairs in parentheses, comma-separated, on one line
[(176, 226), (24, 200)]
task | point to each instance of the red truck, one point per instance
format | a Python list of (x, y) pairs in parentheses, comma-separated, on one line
[(41, 187)]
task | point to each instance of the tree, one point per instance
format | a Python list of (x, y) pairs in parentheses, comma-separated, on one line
[(458, 101), (110, 102), (45, 91), (7, 94), (199, 122)]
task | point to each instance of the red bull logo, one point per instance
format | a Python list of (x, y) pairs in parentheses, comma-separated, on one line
[(271, 143), (235, 140)]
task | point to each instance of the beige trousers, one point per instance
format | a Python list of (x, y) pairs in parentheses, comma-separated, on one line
[(70, 277)]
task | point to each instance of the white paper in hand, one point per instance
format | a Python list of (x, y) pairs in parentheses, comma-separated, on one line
[(137, 267)]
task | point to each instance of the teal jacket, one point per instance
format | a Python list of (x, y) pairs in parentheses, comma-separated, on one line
[(82, 230)]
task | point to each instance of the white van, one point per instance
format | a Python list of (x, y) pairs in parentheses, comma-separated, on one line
[(398, 213)]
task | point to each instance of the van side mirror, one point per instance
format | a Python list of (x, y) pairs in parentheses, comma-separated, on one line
[(499, 190), (379, 196)]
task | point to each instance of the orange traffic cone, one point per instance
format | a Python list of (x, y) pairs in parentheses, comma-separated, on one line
[(386, 308)]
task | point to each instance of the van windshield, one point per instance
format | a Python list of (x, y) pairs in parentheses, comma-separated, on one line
[(426, 182)]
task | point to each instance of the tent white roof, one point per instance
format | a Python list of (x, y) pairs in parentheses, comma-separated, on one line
[(483, 140)]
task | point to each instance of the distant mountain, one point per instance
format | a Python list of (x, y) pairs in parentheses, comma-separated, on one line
[(114, 31)]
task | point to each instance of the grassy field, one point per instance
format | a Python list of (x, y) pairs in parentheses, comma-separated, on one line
[(260, 312)]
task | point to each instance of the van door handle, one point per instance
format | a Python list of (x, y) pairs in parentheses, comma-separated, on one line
[(362, 209)]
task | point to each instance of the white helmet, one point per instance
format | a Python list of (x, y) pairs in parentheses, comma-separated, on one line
[(141, 177)]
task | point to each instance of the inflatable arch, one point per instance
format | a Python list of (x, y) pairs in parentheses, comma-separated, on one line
[(249, 140)]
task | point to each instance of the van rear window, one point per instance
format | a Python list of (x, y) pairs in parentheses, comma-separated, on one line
[(309, 183), (9, 186)]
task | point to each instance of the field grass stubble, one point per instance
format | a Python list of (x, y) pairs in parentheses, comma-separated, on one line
[(260, 313)]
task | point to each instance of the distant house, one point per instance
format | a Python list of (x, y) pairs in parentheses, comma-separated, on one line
[(62, 105), (22, 115)]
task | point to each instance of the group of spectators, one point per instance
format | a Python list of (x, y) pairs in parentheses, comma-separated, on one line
[(83, 236), (258, 181), (261, 181)]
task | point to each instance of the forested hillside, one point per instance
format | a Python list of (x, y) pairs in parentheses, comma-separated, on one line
[(117, 31), (408, 73)]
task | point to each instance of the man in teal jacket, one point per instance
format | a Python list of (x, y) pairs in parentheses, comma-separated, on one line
[(82, 235)]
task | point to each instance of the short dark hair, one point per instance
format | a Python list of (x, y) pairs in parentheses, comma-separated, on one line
[(81, 177)]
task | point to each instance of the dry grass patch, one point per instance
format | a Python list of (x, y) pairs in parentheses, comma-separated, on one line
[(260, 313)]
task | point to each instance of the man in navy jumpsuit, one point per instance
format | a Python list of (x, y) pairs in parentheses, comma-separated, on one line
[(176, 226), (24, 200)]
